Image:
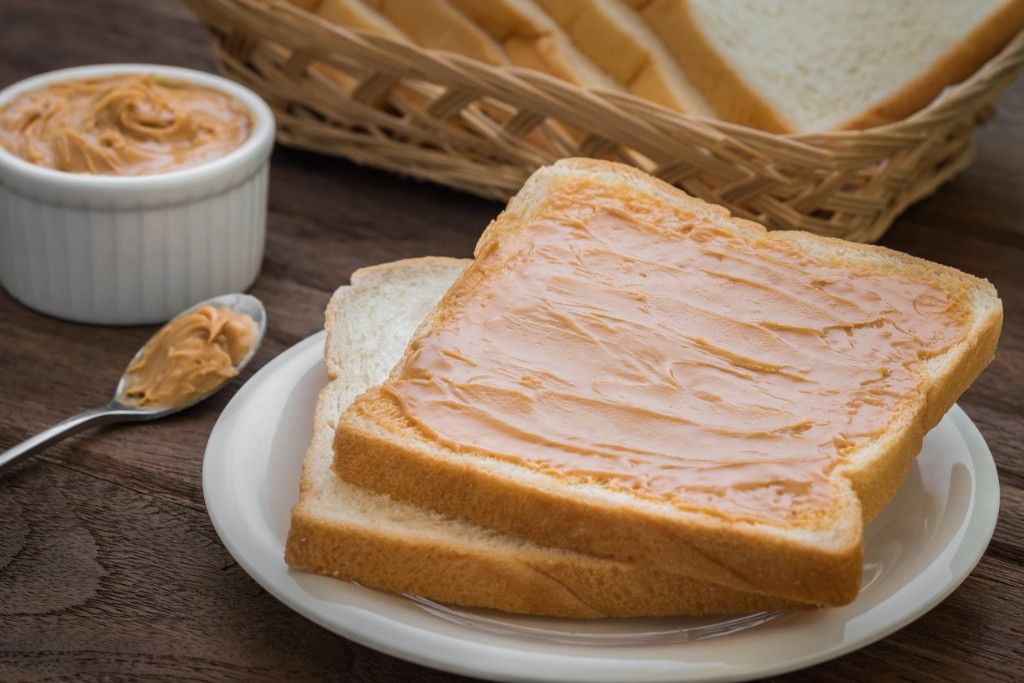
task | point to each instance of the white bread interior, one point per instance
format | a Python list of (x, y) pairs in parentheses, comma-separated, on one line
[(811, 66)]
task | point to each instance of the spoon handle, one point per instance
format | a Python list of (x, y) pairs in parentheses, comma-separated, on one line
[(76, 423)]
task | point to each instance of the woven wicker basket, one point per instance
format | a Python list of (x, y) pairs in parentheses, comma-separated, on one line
[(484, 129)]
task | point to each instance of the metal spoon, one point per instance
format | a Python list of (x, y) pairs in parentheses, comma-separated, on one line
[(117, 410)]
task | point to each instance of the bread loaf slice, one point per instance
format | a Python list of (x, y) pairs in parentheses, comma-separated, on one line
[(340, 530), (533, 41), (780, 389), (308, 5), (436, 25), (457, 34), (354, 14), (615, 38), (809, 66)]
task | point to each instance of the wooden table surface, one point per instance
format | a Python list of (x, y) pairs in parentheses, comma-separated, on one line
[(109, 566)]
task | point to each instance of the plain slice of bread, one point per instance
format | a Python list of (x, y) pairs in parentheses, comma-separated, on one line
[(356, 15), (437, 25), (308, 5), (341, 530), (619, 42), (533, 41), (379, 448), (811, 66)]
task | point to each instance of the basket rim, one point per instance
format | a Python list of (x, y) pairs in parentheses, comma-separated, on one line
[(1009, 57), (848, 184)]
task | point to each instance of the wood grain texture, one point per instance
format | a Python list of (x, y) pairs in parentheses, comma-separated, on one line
[(109, 567)]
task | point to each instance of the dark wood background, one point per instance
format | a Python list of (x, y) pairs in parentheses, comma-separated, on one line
[(109, 567)]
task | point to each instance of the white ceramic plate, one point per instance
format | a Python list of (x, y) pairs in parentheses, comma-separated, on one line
[(916, 553)]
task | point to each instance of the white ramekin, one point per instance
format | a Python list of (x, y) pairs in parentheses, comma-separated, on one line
[(129, 250)]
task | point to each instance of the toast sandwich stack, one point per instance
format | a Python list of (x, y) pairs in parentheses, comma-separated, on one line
[(629, 403)]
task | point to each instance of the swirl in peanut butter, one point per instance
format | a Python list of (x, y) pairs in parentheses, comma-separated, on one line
[(123, 125), (623, 340), (189, 357)]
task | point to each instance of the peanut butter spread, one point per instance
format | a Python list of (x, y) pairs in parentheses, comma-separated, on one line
[(623, 340), (123, 125), (190, 356)]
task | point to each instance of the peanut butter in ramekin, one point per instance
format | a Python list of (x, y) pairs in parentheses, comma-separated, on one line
[(128, 124)]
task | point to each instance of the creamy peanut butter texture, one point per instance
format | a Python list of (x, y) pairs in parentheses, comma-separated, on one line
[(190, 356), (131, 124), (623, 340)]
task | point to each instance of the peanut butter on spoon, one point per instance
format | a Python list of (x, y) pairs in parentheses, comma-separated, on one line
[(189, 357)]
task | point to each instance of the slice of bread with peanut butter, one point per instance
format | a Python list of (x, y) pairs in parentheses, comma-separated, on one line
[(632, 374), (341, 530)]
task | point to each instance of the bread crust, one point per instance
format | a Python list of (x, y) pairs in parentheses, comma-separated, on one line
[(379, 451), (533, 40), (622, 45), (715, 551)]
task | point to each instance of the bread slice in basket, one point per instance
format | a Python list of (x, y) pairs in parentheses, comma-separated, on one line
[(436, 24), (633, 374), (804, 66), (616, 39), (532, 40), (341, 530)]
